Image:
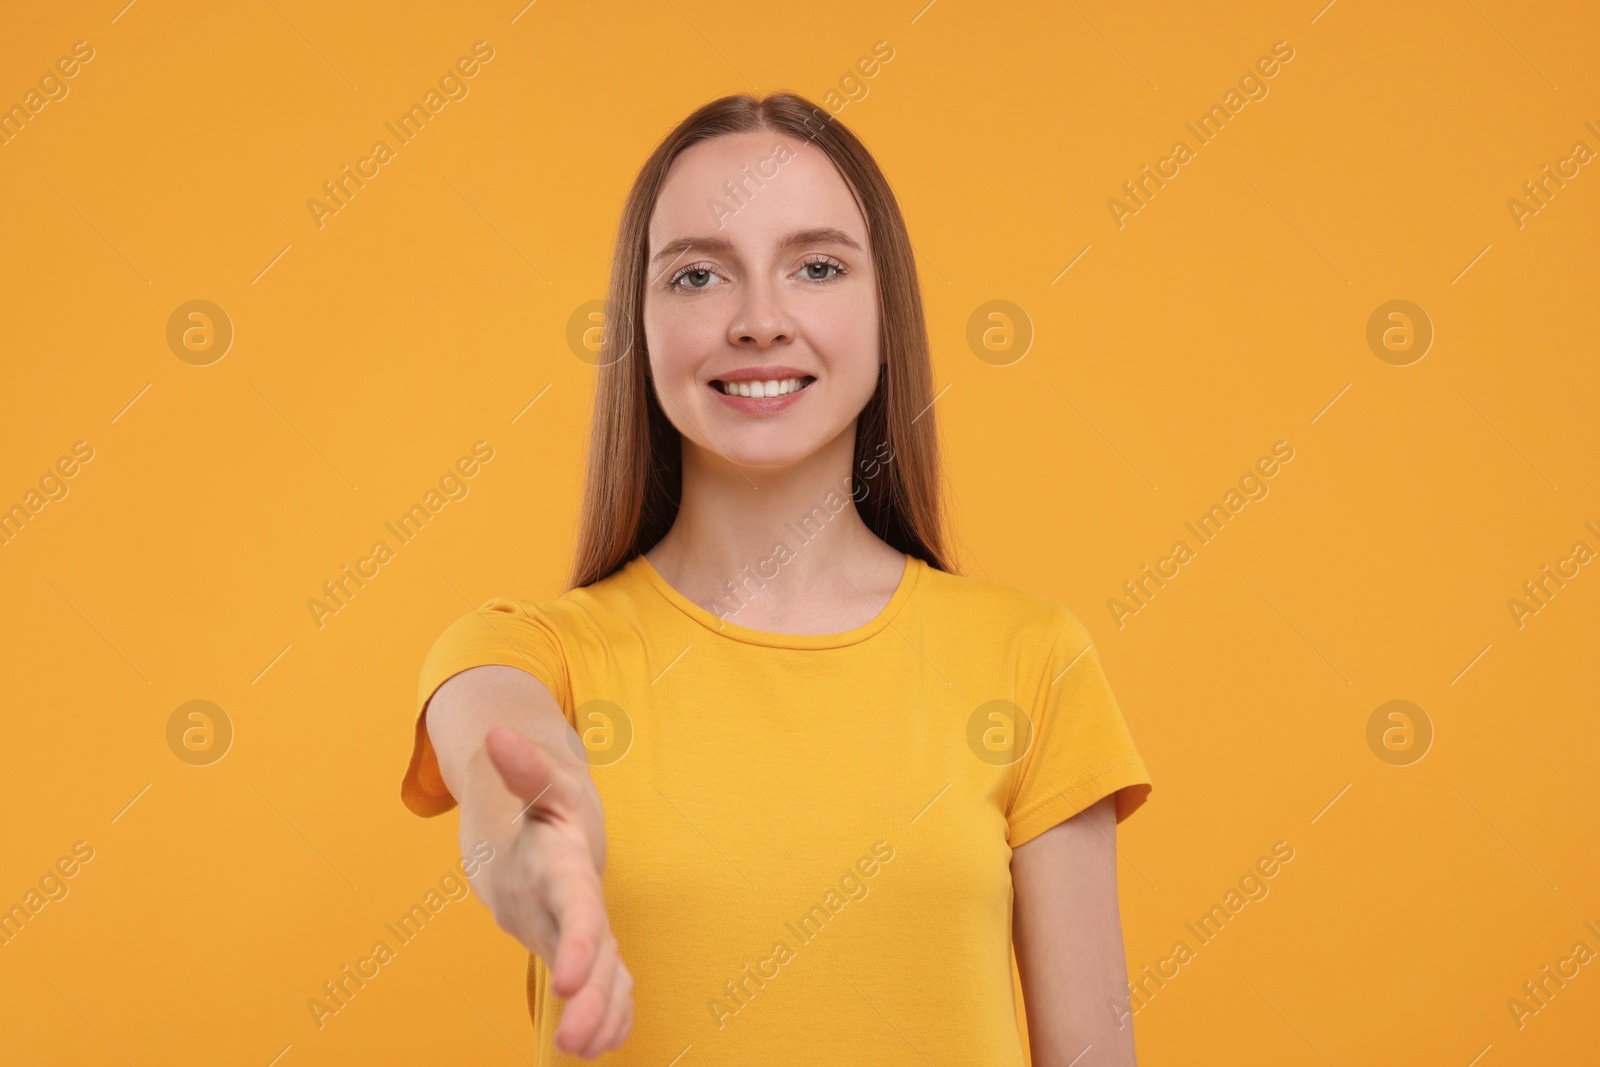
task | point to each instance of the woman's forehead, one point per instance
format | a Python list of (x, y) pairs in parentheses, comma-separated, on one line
[(752, 189)]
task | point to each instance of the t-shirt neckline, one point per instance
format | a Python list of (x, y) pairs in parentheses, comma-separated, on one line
[(908, 580)]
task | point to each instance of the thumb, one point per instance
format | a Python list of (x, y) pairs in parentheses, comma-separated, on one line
[(527, 770)]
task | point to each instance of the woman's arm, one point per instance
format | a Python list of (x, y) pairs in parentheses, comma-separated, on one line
[(510, 758), (1067, 931)]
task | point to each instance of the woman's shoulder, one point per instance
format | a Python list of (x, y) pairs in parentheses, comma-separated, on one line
[(995, 605), (591, 602)]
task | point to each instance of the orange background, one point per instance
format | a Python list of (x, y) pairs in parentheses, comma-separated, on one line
[(1228, 314)]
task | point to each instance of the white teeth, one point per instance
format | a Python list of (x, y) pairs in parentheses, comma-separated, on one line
[(758, 389)]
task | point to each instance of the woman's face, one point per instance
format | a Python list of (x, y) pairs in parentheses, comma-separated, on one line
[(760, 272)]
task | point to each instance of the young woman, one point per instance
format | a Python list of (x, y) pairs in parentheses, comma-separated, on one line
[(829, 783)]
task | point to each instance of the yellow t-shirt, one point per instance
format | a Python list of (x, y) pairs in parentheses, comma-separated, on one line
[(809, 837)]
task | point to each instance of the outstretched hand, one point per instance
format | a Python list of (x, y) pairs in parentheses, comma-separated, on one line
[(548, 896)]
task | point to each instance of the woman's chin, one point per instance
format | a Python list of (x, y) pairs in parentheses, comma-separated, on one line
[(764, 451)]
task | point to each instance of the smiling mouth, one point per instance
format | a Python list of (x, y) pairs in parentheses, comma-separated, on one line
[(759, 389)]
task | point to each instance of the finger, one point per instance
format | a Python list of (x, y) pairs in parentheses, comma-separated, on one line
[(580, 1016), (627, 1021), (619, 1013), (580, 919), (576, 1018), (588, 1023), (526, 769)]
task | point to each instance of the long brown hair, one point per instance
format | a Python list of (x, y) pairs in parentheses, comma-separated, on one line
[(634, 475)]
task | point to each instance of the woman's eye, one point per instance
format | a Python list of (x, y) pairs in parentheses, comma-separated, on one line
[(701, 275), (823, 265), (698, 279)]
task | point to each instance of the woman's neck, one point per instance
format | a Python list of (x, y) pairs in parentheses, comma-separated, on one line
[(777, 549)]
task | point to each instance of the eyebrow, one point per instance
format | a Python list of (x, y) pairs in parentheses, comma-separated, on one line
[(815, 235)]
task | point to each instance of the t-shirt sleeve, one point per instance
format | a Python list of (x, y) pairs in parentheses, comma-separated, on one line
[(1081, 750), (505, 631)]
